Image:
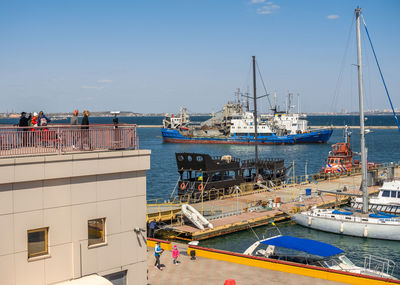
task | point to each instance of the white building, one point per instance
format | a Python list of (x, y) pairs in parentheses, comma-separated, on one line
[(64, 217)]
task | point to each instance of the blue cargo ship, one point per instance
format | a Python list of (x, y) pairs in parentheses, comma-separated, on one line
[(237, 127), (316, 136)]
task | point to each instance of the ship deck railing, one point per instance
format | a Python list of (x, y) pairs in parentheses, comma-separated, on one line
[(18, 141), (379, 264)]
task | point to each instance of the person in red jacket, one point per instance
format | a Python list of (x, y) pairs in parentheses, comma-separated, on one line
[(34, 121)]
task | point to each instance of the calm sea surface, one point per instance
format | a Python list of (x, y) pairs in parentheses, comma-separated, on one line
[(383, 146)]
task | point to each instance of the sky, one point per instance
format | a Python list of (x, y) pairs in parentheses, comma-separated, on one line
[(159, 55)]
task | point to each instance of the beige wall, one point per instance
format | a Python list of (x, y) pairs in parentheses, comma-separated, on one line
[(63, 192)]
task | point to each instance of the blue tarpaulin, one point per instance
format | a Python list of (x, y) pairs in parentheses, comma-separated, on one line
[(342, 213), (387, 214), (306, 245), (379, 216)]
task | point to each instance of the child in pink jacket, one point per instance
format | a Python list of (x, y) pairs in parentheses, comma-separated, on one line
[(175, 254)]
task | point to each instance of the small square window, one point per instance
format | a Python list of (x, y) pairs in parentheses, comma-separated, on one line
[(96, 231), (38, 242)]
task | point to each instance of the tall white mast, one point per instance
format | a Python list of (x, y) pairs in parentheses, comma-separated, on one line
[(364, 187)]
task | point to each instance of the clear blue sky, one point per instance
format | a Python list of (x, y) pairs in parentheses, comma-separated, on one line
[(155, 56)]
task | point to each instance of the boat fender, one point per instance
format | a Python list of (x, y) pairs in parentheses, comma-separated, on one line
[(341, 227), (365, 231), (183, 186), (201, 187), (309, 221)]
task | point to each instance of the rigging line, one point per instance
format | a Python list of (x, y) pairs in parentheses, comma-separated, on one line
[(336, 92), (380, 72), (262, 81), (246, 83), (368, 102)]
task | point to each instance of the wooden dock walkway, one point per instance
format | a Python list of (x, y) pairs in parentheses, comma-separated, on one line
[(238, 212)]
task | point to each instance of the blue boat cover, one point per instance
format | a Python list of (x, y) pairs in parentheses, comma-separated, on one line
[(306, 245), (387, 215), (342, 213), (379, 216)]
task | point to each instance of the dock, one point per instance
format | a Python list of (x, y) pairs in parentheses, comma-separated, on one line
[(240, 211)]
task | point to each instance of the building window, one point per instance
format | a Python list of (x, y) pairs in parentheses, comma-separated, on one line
[(96, 231), (38, 242)]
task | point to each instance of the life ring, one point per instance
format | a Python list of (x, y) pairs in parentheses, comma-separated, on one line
[(201, 187), (183, 186)]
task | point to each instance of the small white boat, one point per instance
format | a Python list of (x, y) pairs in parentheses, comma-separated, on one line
[(316, 253), (195, 217)]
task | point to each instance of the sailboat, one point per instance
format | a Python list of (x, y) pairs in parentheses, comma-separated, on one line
[(354, 223)]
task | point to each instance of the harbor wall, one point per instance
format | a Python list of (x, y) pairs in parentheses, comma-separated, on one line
[(62, 193), (288, 267)]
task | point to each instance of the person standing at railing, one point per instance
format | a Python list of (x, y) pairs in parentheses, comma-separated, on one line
[(85, 137), (44, 136), (34, 120), (24, 122), (117, 135), (42, 119), (74, 122), (31, 135), (74, 119)]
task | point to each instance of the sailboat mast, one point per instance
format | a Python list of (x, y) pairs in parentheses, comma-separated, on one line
[(255, 115), (362, 127)]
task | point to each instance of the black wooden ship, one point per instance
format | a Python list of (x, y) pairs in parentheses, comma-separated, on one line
[(202, 177)]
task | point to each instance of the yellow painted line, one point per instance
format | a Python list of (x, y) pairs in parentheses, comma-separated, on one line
[(301, 270)]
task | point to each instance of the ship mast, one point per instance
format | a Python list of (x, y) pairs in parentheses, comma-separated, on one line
[(364, 187), (255, 115)]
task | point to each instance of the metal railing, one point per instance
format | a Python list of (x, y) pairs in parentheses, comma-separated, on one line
[(58, 139), (380, 265)]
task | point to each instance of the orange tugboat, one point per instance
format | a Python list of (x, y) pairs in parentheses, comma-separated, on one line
[(340, 159)]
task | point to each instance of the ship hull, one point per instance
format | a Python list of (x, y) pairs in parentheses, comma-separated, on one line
[(319, 136), (377, 231)]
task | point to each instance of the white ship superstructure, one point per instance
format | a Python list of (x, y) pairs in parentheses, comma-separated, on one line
[(243, 125)]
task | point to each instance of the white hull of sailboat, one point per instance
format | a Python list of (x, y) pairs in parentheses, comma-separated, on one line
[(358, 229)]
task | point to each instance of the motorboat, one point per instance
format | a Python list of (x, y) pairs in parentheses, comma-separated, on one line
[(320, 254), (387, 200)]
